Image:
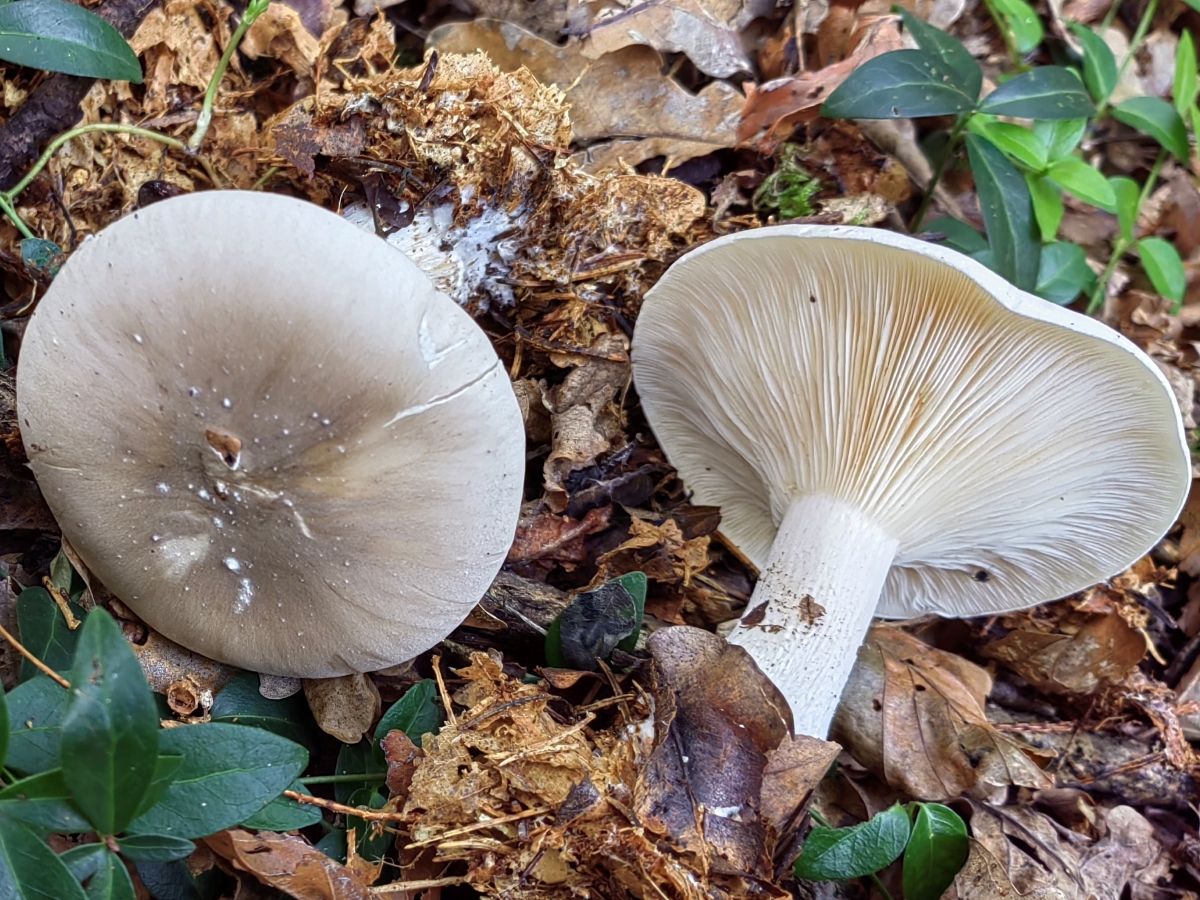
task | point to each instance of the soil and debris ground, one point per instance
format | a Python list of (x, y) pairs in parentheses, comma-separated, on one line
[(599, 141)]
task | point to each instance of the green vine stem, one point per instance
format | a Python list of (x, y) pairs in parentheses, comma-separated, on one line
[(8, 199), (255, 9), (1135, 44), (1122, 244), (952, 142)]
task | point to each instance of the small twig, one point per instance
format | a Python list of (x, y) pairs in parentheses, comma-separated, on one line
[(397, 887), (437, 674), (62, 601), (372, 815), (37, 663), (477, 826)]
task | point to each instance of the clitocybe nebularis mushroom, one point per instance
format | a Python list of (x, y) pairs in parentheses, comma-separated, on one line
[(267, 433), (891, 429)]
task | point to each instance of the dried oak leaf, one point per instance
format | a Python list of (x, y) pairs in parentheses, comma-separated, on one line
[(280, 33), (914, 716), (584, 416), (345, 706), (1019, 852), (620, 95), (672, 26), (1082, 655), (547, 538), (778, 105), (300, 141), (289, 864), (661, 551)]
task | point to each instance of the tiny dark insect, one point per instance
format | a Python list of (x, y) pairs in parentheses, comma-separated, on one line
[(812, 298), (981, 575)]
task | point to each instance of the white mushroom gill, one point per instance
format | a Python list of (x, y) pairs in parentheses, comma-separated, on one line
[(890, 429)]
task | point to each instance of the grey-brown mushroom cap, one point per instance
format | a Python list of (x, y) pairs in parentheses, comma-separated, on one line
[(269, 435), (1017, 451)]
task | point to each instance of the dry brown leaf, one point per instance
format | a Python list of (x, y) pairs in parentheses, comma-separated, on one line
[(402, 756), (289, 864), (779, 104), (279, 33), (165, 663), (344, 707), (1078, 657), (620, 94), (544, 536), (673, 558), (1019, 852), (914, 716), (584, 418), (672, 26)]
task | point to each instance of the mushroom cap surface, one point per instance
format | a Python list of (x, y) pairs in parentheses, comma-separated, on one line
[(268, 434), (1017, 451)]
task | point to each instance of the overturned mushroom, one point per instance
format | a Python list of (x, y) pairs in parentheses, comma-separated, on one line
[(889, 428), (269, 435)]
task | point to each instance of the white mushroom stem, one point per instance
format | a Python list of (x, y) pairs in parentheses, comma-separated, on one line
[(821, 584)]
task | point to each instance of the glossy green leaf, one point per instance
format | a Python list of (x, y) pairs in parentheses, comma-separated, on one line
[(1083, 181), (44, 631), (165, 768), (1099, 64), (35, 711), (111, 880), (84, 859), (863, 849), (1161, 261), (284, 814), (240, 703), (62, 573), (636, 584), (1194, 116), (175, 881), (1007, 213), (29, 869), (902, 84), (1127, 193), (1060, 136), (1048, 207), (1156, 118), (959, 235), (110, 730), (43, 802), (416, 713), (364, 758), (371, 843), (1184, 89), (155, 847), (1021, 22), (596, 622), (1017, 141), (1063, 273), (950, 52), (334, 845), (61, 37), (3, 726), (229, 772), (936, 851), (1047, 92)]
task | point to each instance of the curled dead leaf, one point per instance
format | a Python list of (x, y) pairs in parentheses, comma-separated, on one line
[(344, 707), (1078, 657), (289, 864), (914, 716)]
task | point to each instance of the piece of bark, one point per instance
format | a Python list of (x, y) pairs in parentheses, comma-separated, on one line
[(53, 106)]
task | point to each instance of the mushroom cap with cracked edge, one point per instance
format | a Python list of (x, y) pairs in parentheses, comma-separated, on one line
[(1017, 451), (267, 433)]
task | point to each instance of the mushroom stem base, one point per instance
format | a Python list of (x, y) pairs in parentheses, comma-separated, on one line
[(813, 604)]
